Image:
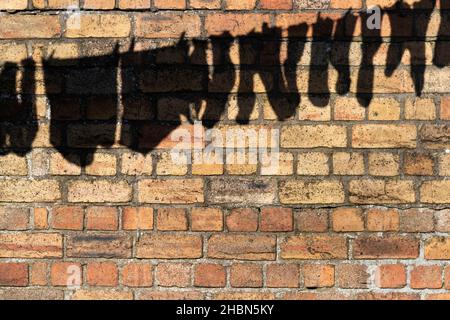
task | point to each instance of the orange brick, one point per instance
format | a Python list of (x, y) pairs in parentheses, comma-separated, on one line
[(134, 4), (14, 218), (173, 275), (40, 218), (167, 25), (62, 273), (205, 4), (426, 277), (445, 108), (447, 277), (207, 219), (352, 276), (13, 4), (209, 275), (172, 219), (102, 274), (383, 219), (29, 26), (419, 164), (391, 276), (137, 218), (137, 275), (99, 4), (276, 4), (348, 220), (68, 218), (242, 220), (318, 276), (38, 274), (276, 219), (246, 276), (240, 4), (283, 276), (170, 4), (102, 218)]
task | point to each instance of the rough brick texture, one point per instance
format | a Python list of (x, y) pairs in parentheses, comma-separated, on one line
[(92, 205)]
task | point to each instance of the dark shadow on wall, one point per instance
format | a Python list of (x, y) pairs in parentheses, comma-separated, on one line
[(141, 96)]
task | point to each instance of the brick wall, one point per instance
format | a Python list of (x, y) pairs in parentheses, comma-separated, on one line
[(92, 206)]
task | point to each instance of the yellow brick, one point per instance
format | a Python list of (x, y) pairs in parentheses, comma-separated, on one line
[(384, 136), (62, 166), (384, 109), (166, 166), (134, 164), (29, 191), (103, 164), (345, 163), (311, 192), (299, 136), (384, 164), (313, 164), (444, 164), (98, 26), (13, 4), (12, 165), (420, 109), (99, 191), (435, 192)]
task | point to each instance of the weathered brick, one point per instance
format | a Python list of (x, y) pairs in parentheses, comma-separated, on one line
[(420, 164), (381, 191), (312, 164), (31, 294), (435, 191), (246, 191), (12, 165), (14, 218), (240, 4), (352, 276), (98, 246), (276, 4), (29, 26), (345, 163), (169, 246), (282, 276), (437, 248), (27, 245), (242, 219), (98, 26), (172, 219), (13, 5), (318, 276), (137, 275), (104, 274), (206, 219), (173, 275), (103, 164), (276, 220), (384, 136), (380, 220), (442, 219), (234, 24), (314, 247), (384, 164), (40, 218), (392, 247), (62, 274), (170, 4), (102, 218), (326, 136), (435, 136), (209, 275), (29, 190), (113, 294), (348, 220), (416, 220), (391, 276), (311, 191), (92, 191), (134, 4), (171, 191), (99, 4), (420, 109), (13, 274), (426, 277), (312, 220), (242, 247), (68, 218), (246, 276), (38, 274), (137, 218), (167, 25)]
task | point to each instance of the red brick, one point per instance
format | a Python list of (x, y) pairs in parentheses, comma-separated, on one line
[(391, 276), (317, 247), (13, 274), (102, 218), (447, 277), (318, 276), (68, 218), (173, 275), (102, 274), (209, 275), (245, 220), (137, 275), (426, 277), (246, 276), (283, 276), (276, 219)]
